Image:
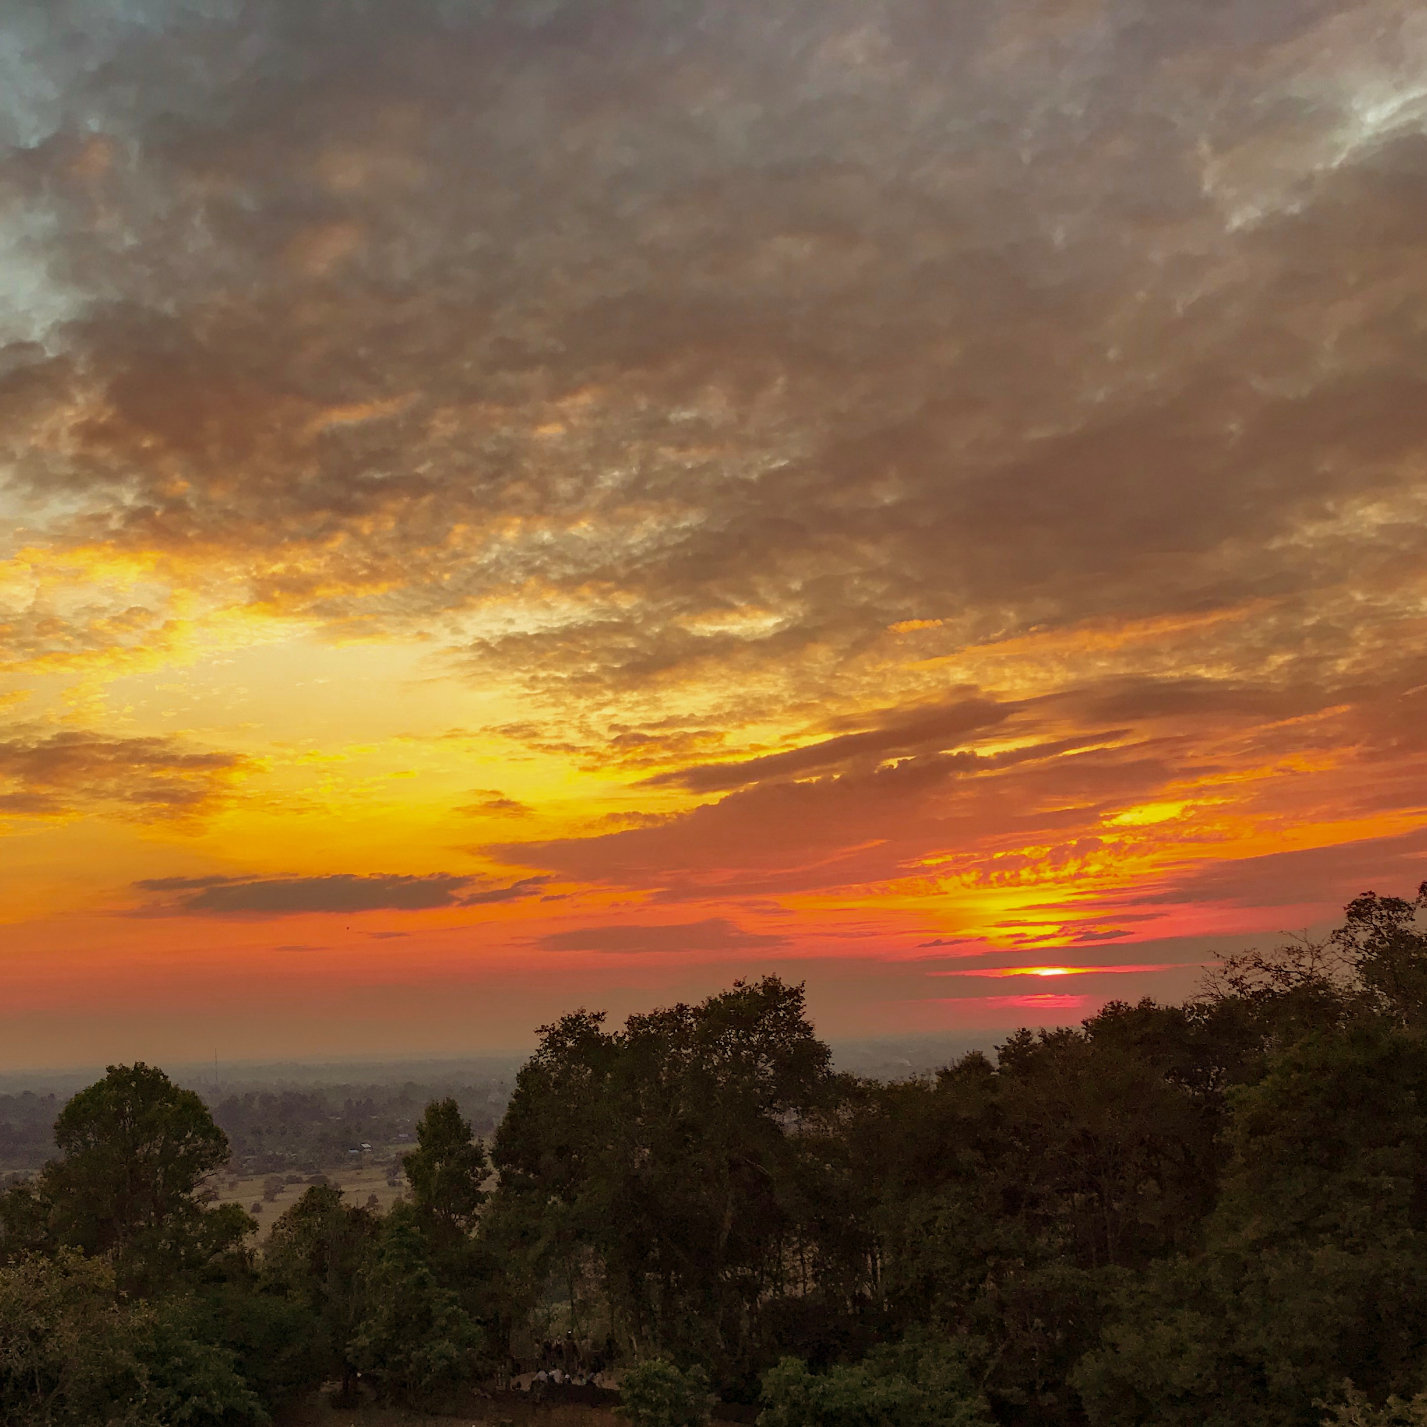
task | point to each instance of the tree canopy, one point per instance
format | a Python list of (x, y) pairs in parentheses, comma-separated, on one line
[(1205, 1215)]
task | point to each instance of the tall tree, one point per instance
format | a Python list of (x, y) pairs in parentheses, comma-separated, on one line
[(1314, 1259), (447, 1170), (320, 1254), (135, 1150), (415, 1343), (1385, 941), (668, 1150)]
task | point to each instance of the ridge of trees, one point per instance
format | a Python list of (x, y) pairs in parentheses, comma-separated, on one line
[(1211, 1213)]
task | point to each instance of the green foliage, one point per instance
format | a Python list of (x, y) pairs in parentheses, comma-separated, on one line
[(1381, 940), (135, 1150), (890, 1388), (670, 1151), (1314, 1258), (656, 1393), (182, 1379), (319, 1256), (1352, 1409), (71, 1355), (416, 1343), (446, 1171), (277, 1347), (60, 1338), (25, 1227)]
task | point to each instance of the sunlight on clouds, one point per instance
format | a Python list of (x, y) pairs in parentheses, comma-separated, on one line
[(1148, 814), (858, 478)]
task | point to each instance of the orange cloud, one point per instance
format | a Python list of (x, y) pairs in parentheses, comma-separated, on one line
[(683, 516)]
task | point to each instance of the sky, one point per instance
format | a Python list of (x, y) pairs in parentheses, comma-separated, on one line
[(508, 505)]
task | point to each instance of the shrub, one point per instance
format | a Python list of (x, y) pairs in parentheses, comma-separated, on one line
[(657, 1394), (891, 1388)]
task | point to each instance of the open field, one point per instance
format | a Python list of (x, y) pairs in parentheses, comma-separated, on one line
[(358, 1184)]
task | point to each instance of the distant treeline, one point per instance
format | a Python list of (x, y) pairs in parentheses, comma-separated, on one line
[(27, 1129), (1205, 1215), (273, 1130), (313, 1130)]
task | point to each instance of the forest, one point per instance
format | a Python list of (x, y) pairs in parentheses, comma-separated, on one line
[(272, 1129), (1188, 1215)]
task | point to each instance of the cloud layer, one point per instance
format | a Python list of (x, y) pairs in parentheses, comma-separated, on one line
[(646, 341), (948, 472), (143, 779), (336, 892)]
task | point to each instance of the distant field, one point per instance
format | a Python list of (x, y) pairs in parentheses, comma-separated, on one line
[(357, 1184)]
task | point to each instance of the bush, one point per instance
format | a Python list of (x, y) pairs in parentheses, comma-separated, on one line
[(891, 1388), (657, 1394)]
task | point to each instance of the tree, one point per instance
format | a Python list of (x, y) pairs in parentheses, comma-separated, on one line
[(415, 1343), (1375, 963), (25, 1226), (1353, 1409), (1314, 1258), (135, 1149), (73, 1354), (320, 1256), (1382, 939), (670, 1152), (1009, 1199), (446, 1171)]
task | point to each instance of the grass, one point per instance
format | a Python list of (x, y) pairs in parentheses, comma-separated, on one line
[(357, 1183)]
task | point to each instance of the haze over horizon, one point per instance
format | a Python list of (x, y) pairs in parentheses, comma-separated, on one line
[(517, 504)]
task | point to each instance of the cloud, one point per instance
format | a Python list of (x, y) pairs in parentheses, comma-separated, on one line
[(523, 888), (1329, 875), (493, 801), (711, 934), (814, 368), (902, 733), (1047, 1003), (140, 779), (934, 439), (335, 892), (860, 827)]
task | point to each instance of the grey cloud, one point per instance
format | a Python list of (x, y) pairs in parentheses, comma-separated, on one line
[(523, 888), (1327, 876), (492, 800), (863, 826), (842, 314), (905, 732), (183, 884), (711, 934), (335, 892), (147, 779)]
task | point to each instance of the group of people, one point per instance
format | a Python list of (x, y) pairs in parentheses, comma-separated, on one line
[(558, 1377), (563, 1364)]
